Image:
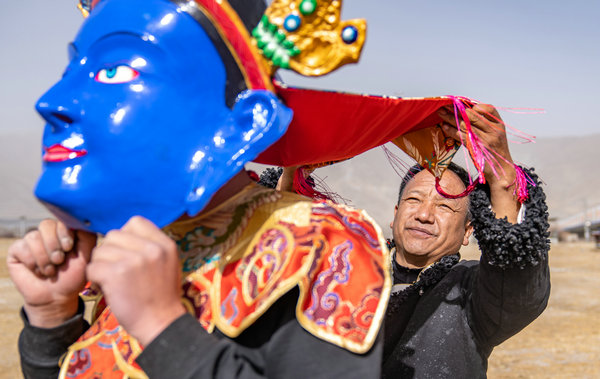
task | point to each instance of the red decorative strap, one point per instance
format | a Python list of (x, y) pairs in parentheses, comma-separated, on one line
[(466, 192)]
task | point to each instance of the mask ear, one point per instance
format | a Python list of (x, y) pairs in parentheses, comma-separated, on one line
[(260, 119), (257, 120)]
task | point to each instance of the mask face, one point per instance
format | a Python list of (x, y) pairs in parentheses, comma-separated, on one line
[(138, 124)]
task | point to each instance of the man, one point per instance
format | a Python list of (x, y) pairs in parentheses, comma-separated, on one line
[(151, 123), (445, 316)]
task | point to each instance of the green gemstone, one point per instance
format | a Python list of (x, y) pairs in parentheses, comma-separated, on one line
[(272, 28), (270, 49), (278, 56), (280, 36), (295, 51), (288, 44), (285, 62), (307, 7), (261, 43)]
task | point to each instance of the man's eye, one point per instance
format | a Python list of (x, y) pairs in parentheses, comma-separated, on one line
[(447, 207), (117, 74)]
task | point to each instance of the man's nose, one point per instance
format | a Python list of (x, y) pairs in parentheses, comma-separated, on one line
[(425, 212)]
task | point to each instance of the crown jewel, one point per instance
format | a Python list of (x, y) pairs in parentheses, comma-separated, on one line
[(308, 36)]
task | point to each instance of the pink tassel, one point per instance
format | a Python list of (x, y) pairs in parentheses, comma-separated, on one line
[(303, 187), (520, 183)]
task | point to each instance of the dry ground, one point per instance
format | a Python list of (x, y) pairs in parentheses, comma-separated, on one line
[(563, 343)]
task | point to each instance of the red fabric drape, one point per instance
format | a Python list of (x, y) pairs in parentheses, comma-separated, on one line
[(332, 126)]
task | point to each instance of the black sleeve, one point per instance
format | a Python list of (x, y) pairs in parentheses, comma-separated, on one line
[(276, 346), (512, 286), (41, 349)]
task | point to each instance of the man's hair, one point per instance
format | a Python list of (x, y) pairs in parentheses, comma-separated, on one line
[(462, 174)]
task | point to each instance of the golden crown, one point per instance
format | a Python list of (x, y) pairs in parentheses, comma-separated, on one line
[(308, 36)]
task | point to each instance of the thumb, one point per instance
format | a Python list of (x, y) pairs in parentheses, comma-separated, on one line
[(84, 244)]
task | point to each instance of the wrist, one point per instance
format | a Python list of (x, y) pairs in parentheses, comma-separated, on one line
[(505, 180), (49, 316), (151, 327)]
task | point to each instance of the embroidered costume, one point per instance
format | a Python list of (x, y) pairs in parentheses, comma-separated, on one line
[(325, 262)]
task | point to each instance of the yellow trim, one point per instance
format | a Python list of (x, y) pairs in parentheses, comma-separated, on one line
[(299, 278), (76, 347), (129, 371), (283, 287), (365, 346), (84, 12)]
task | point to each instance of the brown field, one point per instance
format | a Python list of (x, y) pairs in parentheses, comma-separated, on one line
[(563, 343)]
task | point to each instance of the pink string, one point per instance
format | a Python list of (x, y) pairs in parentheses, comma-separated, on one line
[(481, 155), (399, 166), (521, 181), (303, 187)]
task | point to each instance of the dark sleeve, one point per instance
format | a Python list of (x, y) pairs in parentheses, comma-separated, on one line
[(41, 349), (275, 346), (512, 286)]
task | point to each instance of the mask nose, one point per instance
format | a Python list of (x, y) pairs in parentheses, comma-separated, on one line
[(58, 110)]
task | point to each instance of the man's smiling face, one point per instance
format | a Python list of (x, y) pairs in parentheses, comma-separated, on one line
[(428, 226)]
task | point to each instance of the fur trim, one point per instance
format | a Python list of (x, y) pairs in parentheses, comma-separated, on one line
[(429, 277), (507, 245), (270, 177)]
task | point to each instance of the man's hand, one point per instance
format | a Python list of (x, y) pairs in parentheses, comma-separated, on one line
[(137, 268), (286, 180), (487, 125), (48, 269)]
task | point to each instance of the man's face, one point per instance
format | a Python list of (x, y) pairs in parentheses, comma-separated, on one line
[(139, 106), (428, 226)]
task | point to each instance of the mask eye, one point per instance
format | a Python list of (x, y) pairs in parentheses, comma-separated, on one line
[(116, 75)]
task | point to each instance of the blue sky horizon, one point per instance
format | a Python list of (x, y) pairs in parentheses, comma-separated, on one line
[(510, 54)]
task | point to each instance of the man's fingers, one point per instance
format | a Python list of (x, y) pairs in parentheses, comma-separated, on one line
[(65, 236), (447, 115), (85, 244), (451, 131), (19, 253), (52, 245), (36, 246), (145, 229), (488, 111), (484, 124)]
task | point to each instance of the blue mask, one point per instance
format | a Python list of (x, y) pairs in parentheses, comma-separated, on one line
[(138, 124)]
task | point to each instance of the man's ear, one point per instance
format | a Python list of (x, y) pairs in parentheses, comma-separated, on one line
[(395, 211), (468, 232)]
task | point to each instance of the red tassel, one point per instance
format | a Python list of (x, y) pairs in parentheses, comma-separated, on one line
[(466, 192)]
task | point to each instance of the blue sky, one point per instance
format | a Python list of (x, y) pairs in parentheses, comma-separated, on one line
[(508, 53)]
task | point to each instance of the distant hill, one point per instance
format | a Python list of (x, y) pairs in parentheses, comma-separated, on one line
[(19, 168), (568, 166)]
